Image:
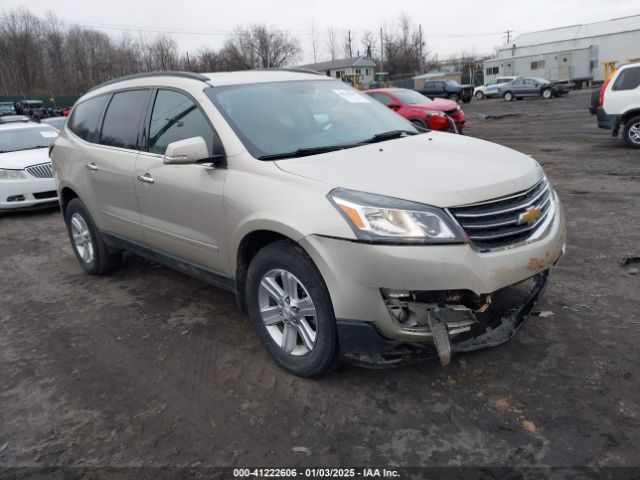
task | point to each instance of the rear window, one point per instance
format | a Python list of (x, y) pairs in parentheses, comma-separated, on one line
[(121, 125), (85, 117), (628, 79)]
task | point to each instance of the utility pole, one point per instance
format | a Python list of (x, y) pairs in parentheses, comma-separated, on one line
[(420, 34), (350, 54), (508, 33)]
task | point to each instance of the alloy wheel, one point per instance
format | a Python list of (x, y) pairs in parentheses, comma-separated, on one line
[(634, 133), (82, 238), (288, 312)]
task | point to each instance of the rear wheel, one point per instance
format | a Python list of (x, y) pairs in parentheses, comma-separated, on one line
[(508, 96), (291, 309), (454, 97), (547, 94), (631, 132), (88, 245), (479, 95)]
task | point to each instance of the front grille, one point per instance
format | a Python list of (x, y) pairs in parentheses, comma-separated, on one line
[(43, 195), (499, 223), (40, 171)]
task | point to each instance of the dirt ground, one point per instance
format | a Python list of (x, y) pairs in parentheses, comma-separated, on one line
[(147, 367)]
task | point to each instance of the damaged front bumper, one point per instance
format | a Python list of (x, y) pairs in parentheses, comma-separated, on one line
[(455, 321)]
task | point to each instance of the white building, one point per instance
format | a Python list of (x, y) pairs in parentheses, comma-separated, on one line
[(362, 66), (571, 53)]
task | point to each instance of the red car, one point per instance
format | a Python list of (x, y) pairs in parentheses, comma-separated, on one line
[(437, 114)]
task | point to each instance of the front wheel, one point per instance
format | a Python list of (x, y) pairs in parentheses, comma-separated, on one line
[(631, 132), (508, 96), (290, 307), (479, 95), (454, 97), (87, 242), (547, 94)]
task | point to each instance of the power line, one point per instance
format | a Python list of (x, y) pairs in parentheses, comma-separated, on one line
[(188, 31)]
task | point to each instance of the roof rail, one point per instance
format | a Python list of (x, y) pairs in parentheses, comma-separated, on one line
[(192, 75), (296, 70)]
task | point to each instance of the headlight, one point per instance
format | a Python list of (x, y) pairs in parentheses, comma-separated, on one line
[(12, 175), (375, 218), (436, 114)]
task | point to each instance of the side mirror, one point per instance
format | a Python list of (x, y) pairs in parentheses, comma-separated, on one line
[(189, 150), (393, 105)]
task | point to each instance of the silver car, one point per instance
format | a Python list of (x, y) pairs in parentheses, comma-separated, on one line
[(344, 232)]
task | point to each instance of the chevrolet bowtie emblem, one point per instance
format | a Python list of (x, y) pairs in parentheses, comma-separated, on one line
[(530, 216)]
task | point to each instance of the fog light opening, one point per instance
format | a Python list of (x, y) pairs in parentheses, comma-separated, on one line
[(16, 198)]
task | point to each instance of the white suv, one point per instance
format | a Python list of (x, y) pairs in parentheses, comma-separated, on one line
[(619, 105)]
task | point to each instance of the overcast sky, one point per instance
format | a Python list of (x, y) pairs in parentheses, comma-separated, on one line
[(449, 26)]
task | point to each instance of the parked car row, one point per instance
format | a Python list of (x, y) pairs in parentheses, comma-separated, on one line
[(510, 88)]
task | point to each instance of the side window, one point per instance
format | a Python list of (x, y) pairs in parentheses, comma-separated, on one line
[(120, 127), (428, 84), (176, 117), (628, 79), (85, 117), (382, 98)]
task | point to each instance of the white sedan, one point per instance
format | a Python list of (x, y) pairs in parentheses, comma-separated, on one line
[(26, 178)]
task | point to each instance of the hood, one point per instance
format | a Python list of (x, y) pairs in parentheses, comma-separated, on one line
[(439, 169), (24, 158), (440, 104)]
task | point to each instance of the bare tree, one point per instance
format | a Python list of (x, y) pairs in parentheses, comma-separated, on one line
[(369, 43), (261, 47), (332, 42), (315, 41)]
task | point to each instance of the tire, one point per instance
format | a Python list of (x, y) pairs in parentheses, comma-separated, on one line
[(479, 95), (508, 96), (631, 132), (88, 245), (305, 346), (454, 97), (466, 100), (547, 93), (420, 124)]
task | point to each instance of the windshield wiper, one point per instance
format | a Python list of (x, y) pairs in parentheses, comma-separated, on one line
[(303, 152), (390, 135)]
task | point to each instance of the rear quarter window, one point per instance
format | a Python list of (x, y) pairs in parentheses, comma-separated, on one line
[(628, 79), (84, 121)]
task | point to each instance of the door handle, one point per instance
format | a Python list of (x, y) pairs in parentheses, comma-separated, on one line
[(92, 166), (146, 178)]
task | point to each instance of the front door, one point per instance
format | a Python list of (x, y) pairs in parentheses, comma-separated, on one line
[(181, 205)]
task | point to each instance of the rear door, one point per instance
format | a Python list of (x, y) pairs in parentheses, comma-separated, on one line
[(181, 205), (110, 164)]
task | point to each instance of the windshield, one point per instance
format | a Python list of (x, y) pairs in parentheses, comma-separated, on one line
[(280, 117), (7, 109), (412, 97), (15, 139)]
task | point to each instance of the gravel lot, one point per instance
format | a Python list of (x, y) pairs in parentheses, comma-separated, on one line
[(148, 367)]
